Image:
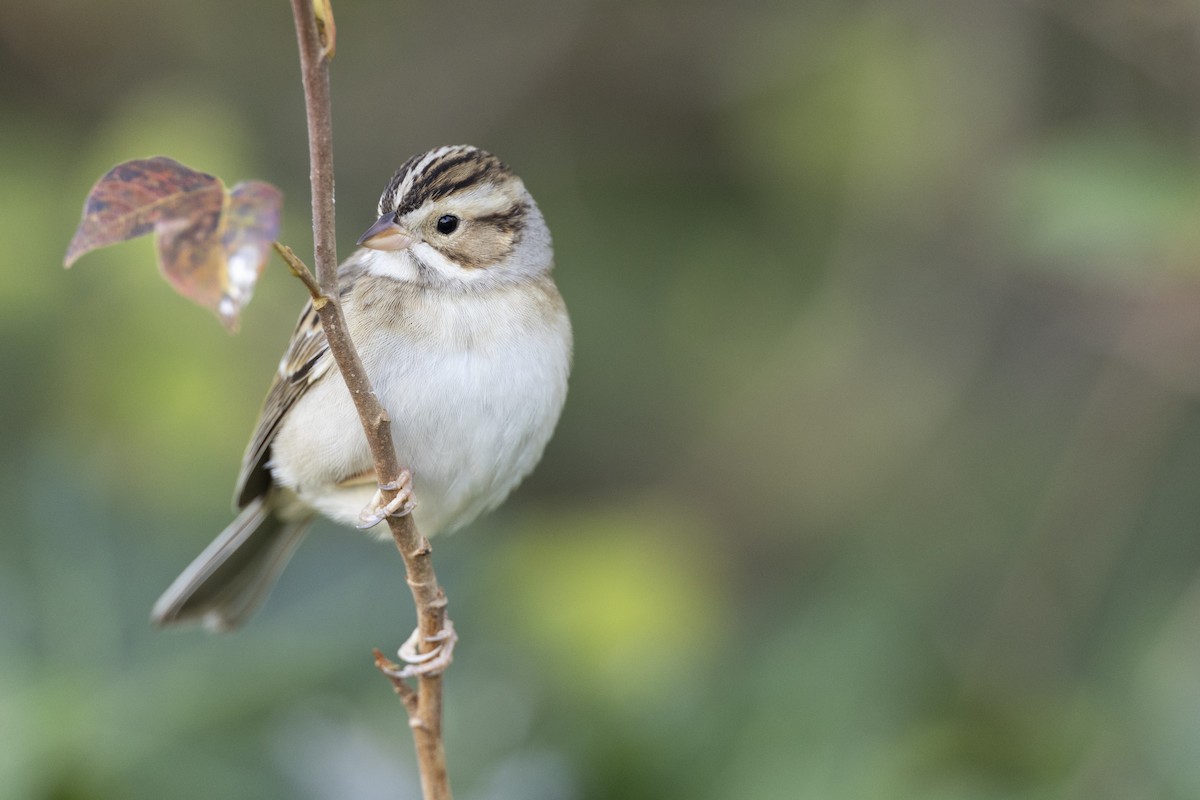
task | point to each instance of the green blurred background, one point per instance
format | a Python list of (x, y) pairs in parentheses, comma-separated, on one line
[(878, 477)]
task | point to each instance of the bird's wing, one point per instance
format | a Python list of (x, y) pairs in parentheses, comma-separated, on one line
[(307, 358), (305, 362)]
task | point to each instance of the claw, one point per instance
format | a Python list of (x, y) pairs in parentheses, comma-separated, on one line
[(433, 662), (377, 510)]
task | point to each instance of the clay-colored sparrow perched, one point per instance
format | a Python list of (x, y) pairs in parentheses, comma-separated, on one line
[(466, 341)]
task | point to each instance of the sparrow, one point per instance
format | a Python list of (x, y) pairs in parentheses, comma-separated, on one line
[(467, 344)]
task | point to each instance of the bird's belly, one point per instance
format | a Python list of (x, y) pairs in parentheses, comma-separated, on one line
[(469, 423), (478, 427)]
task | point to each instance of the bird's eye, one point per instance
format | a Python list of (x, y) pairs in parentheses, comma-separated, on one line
[(447, 224)]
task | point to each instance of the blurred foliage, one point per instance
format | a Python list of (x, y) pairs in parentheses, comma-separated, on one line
[(878, 475)]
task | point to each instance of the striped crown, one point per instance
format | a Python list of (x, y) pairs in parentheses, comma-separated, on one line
[(440, 172)]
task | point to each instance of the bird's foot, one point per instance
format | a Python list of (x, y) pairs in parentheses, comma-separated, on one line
[(427, 664), (378, 510)]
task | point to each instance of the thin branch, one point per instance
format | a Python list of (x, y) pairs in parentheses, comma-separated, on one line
[(301, 271), (425, 715), (393, 671)]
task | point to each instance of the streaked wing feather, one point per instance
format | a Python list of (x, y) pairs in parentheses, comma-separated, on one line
[(305, 362)]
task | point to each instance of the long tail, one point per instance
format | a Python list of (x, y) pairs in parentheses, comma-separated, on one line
[(225, 584)]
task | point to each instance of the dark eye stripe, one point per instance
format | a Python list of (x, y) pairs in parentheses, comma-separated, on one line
[(507, 220)]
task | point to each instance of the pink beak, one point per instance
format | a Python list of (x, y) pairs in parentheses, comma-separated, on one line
[(385, 234)]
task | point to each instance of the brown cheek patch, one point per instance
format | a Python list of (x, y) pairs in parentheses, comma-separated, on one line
[(481, 246)]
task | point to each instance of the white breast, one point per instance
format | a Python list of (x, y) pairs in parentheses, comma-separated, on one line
[(473, 383)]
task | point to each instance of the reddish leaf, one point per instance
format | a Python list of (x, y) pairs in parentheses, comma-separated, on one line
[(212, 244), (189, 247), (252, 224)]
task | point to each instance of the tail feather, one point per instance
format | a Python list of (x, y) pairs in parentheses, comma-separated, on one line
[(229, 580)]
